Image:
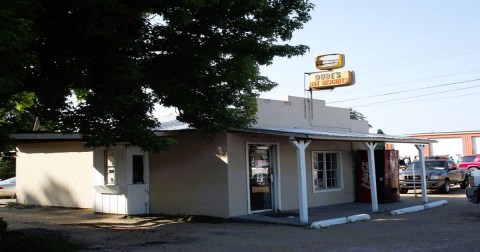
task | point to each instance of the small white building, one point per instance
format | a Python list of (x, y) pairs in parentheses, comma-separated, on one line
[(299, 154)]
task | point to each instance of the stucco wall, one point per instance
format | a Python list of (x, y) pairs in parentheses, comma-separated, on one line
[(54, 174), (191, 178), (295, 113), (288, 193)]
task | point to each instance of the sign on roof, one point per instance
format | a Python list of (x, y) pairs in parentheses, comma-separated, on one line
[(330, 61), (328, 79), (331, 79)]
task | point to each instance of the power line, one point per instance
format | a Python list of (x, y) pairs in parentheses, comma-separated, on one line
[(409, 81), (404, 91), (420, 55), (423, 100), (416, 96)]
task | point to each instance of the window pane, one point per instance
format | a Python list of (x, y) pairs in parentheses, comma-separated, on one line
[(326, 170), (109, 169), (137, 169)]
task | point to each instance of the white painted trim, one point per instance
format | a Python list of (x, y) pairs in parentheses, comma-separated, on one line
[(328, 190), (341, 187)]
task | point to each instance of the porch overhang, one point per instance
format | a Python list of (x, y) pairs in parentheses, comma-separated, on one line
[(333, 136), (300, 138)]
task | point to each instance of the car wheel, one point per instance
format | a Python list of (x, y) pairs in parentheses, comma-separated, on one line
[(446, 186), (403, 190), (464, 184), (472, 169)]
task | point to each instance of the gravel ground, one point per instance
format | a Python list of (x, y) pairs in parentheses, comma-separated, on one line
[(452, 226)]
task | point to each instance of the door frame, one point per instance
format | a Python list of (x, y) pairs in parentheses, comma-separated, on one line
[(132, 151), (275, 188)]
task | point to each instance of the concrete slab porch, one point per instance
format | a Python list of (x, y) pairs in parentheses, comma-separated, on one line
[(331, 212)]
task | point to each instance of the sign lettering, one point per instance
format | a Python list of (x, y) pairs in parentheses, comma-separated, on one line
[(329, 80)]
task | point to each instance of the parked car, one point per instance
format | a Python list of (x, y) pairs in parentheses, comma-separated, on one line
[(472, 189), (472, 163), (440, 175), (7, 188)]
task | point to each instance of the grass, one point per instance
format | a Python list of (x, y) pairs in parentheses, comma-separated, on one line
[(37, 240), (16, 205)]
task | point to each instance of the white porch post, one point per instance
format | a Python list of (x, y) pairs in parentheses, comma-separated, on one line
[(421, 156), (300, 146), (371, 171)]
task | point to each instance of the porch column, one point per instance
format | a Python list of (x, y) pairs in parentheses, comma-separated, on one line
[(421, 156), (300, 146), (371, 172)]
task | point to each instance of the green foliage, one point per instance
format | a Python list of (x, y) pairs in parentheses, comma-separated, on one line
[(16, 205), (7, 166), (380, 145), (355, 115), (123, 57)]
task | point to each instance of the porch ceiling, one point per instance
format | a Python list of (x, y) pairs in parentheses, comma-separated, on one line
[(336, 136)]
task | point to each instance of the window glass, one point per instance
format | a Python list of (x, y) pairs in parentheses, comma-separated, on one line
[(137, 169), (326, 170), (109, 167)]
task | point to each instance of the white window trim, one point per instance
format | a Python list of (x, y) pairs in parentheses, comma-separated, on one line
[(340, 173)]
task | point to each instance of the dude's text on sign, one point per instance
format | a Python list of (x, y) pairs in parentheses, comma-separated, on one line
[(329, 80)]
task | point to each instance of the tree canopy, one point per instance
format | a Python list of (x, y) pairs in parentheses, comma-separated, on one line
[(120, 58)]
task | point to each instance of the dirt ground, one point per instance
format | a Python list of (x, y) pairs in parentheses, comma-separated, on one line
[(453, 226)]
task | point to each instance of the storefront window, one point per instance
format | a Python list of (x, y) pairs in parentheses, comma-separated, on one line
[(326, 170)]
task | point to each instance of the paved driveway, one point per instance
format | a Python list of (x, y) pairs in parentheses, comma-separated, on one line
[(453, 226)]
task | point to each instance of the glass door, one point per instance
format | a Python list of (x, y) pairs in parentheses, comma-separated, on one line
[(261, 160)]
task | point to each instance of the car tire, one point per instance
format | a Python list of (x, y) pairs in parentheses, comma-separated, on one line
[(446, 187), (472, 169), (464, 184), (403, 191)]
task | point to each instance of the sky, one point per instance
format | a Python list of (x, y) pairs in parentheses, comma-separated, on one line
[(415, 62)]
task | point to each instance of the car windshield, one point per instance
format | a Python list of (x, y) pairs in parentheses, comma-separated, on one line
[(428, 165), (468, 159), (8, 181)]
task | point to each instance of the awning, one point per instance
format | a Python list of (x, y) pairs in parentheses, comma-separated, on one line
[(334, 136)]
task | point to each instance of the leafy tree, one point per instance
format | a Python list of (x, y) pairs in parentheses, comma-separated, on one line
[(123, 57), (381, 145), (355, 115)]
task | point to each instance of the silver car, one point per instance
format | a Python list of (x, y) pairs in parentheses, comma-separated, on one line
[(7, 188)]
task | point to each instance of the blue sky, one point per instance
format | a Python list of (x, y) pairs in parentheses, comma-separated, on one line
[(415, 62)]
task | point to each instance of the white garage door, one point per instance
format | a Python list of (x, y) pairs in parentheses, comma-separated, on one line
[(447, 146)]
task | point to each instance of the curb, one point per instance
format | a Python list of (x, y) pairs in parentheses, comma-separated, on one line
[(342, 220), (419, 207)]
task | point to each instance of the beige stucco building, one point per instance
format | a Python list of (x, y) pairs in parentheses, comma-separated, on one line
[(299, 154)]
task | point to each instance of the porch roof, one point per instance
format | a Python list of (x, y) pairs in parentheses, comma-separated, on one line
[(295, 132), (334, 136)]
